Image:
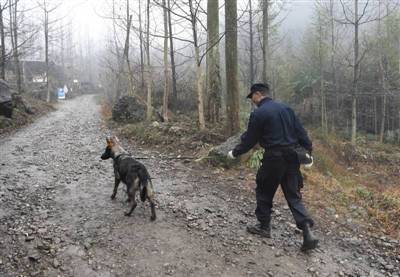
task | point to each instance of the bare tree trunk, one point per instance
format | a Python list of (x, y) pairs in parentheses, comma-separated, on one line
[(46, 43), (17, 62), (46, 26), (333, 62), (213, 71), (200, 93), (324, 120), (172, 56), (199, 74), (141, 48), (117, 51), (149, 108), (166, 71), (3, 46), (13, 7), (131, 89), (265, 28), (383, 117), (125, 56), (382, 74), (251, 43), (126, 49), (232, 86), (355, 77)]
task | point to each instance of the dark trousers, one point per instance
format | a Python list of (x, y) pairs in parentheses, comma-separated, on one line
[(280, 167)]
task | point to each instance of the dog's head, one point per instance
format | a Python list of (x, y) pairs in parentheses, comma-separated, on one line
[(111, 148)]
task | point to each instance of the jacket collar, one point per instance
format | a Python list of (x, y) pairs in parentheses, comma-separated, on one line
[(264, 100)]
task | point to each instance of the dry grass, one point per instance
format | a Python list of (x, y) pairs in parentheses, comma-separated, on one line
[(105, 110), (357, 185)]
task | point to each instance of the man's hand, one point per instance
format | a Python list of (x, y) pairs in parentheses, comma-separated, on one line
[(230, 155)]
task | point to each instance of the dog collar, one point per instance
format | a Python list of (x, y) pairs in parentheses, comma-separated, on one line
[(120, 155)]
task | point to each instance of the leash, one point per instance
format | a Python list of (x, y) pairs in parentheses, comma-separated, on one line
[(166, 158)]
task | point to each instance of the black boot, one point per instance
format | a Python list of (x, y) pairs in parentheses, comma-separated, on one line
[(263, 230), (309, 241)]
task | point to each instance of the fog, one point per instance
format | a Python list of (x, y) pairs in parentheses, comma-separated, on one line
[(89, 36), (341, 71), (92, 18), (298, 17)]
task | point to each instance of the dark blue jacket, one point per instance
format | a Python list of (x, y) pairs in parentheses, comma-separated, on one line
[(273, 124)]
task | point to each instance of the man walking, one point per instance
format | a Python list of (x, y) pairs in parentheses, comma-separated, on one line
[(278, 130)]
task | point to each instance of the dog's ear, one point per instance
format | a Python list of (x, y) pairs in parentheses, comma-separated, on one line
[(110, 142)]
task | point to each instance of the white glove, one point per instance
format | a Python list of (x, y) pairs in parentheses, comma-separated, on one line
[(230, 155), (309, 165)]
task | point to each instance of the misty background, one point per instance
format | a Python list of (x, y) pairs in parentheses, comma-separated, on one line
[(340, 73)]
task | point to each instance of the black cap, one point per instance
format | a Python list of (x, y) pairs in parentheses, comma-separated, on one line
[(261, 87)]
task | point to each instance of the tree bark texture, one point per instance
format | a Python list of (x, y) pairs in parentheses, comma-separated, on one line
[(199, 74), (265, 30), (355, 77), (172, 56), (166, 65), (232, 86), (3, 46), (149, 106), (213, 68)]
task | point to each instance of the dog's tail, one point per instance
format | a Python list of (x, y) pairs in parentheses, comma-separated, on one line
[(143, 193), (146, 186)]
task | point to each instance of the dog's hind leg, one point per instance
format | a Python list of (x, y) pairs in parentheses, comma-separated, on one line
[(150, 197), (132, 189), (116, 184)]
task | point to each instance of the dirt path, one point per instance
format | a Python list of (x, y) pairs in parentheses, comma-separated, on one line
[(57, 218)]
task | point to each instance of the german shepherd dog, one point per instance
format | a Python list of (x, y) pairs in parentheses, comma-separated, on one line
[(132, 173)]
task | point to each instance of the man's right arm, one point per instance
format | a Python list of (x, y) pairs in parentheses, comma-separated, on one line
[(248, 138)]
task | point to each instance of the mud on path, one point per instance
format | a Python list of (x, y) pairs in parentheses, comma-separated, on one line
[(57, 218)]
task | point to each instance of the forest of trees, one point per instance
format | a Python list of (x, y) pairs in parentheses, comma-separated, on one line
[(199, 58), (40, 36)]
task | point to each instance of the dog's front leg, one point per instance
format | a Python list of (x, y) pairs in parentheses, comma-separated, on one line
[(116, 184)]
